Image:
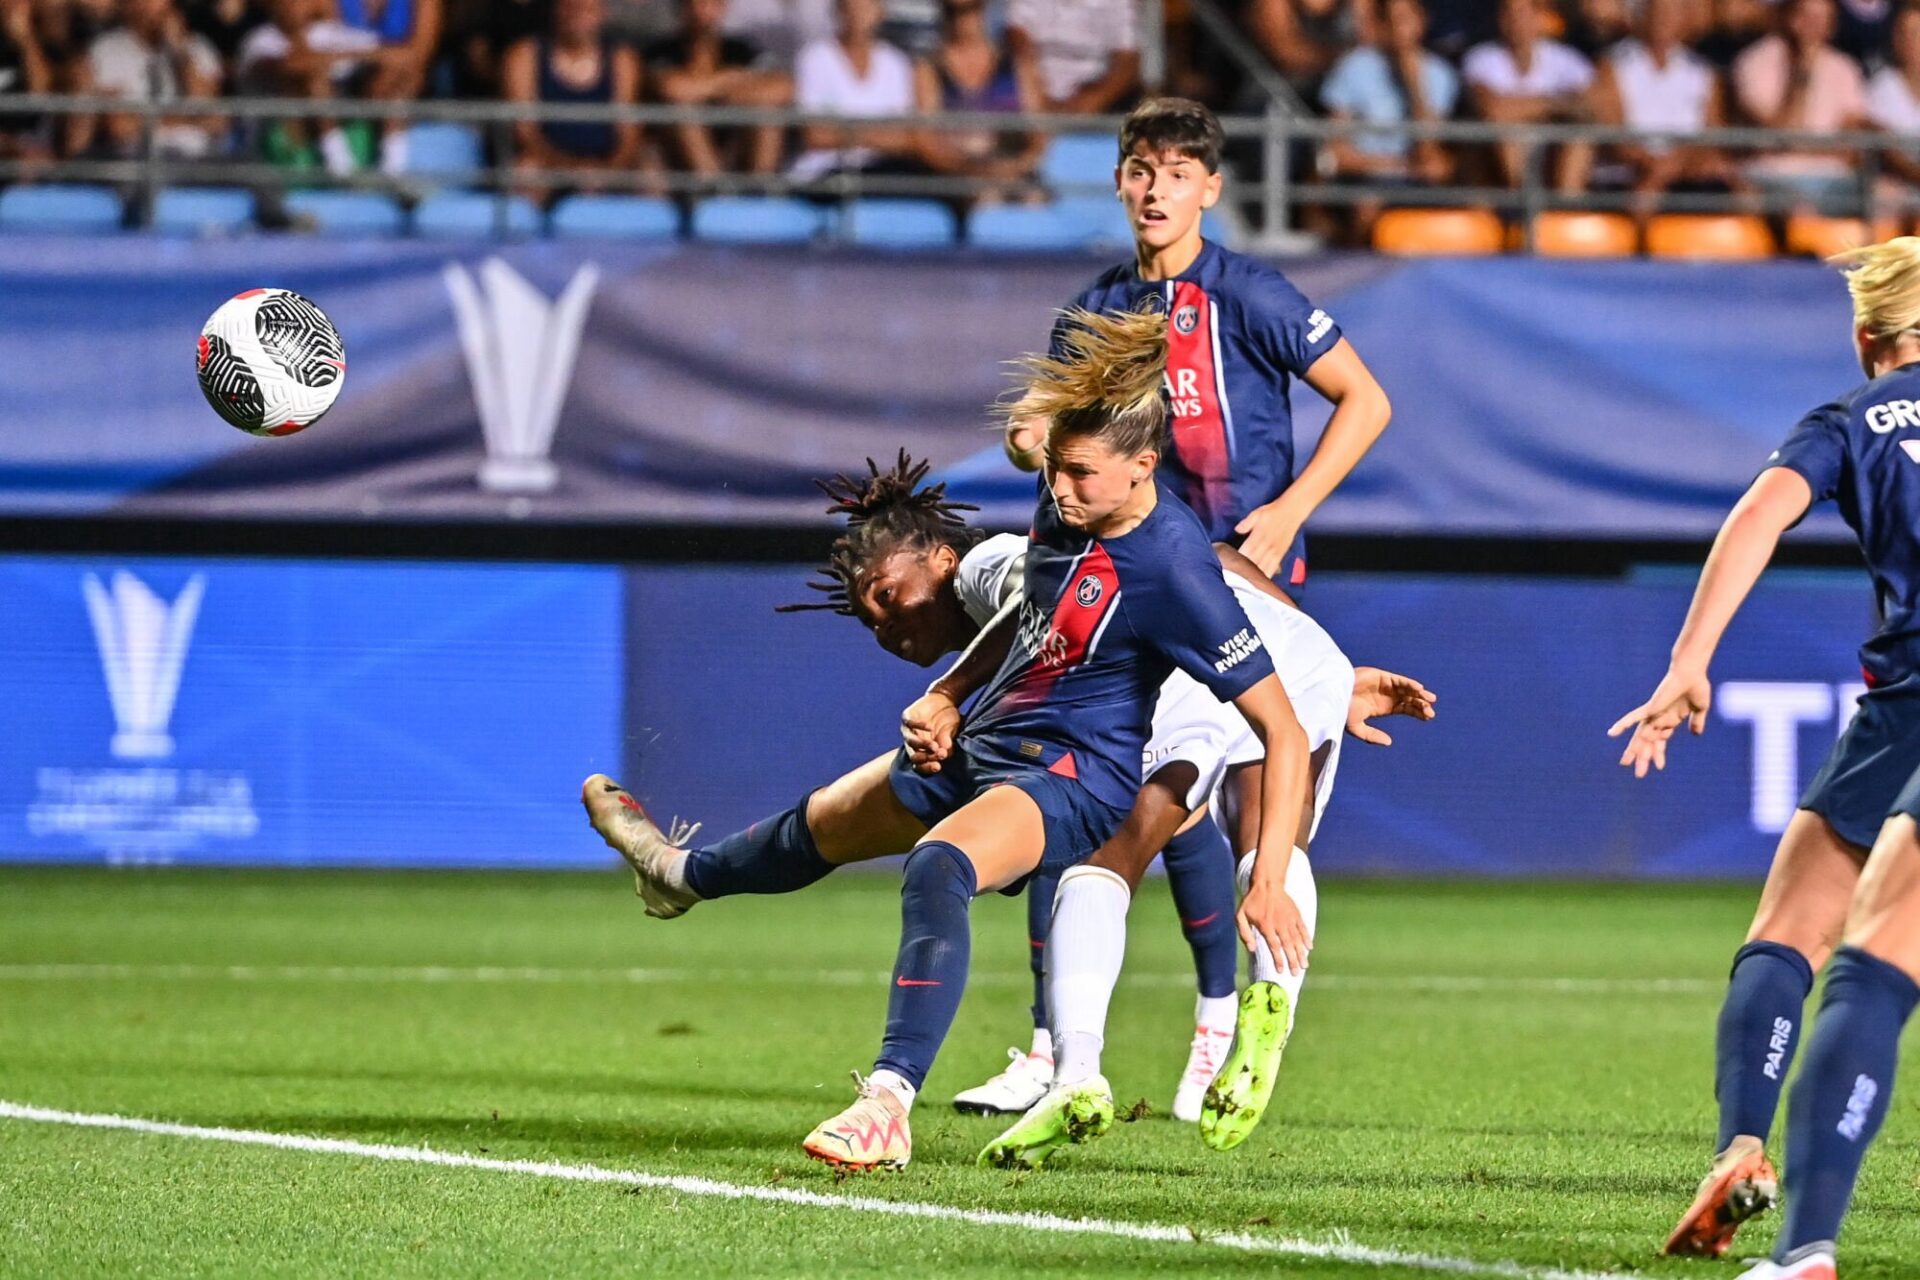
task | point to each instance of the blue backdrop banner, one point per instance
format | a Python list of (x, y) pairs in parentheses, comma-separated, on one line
[(690, 384)]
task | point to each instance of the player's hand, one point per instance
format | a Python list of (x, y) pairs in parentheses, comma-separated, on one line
[(928, 728), (1269, 914), (1684, 697), (1026, 439), (1269, 532), (1378, 693)]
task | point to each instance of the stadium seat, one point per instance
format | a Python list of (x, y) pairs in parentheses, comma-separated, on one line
[(1585, 235), (1079, 160), (439, 149), (614, 218), (1438, 232), (757, 220), (75, 209), (348, 213), (203, 211), (474, 214), (1820, 237), (900, 224), (1020, 226), (1708, 236)]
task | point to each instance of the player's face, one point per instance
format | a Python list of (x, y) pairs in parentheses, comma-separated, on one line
[(1090, 481), (1164, 194), (907, 601)]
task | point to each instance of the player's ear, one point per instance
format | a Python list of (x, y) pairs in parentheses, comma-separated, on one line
[(944, 560), (1210, 193)]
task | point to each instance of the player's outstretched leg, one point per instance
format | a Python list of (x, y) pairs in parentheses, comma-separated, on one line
[(1238, 1098), (1085, 948), (1200, 872), (658, 861)]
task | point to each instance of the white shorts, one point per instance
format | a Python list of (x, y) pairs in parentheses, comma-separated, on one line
[(1190, 724)]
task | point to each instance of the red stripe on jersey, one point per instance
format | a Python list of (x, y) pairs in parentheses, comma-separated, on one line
[(1299, 574), (1077, 615), (1193, 386)]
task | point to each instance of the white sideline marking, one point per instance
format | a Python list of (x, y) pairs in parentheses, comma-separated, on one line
[(1434, 983), (1334, 1250)]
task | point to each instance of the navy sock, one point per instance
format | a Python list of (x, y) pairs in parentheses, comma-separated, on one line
[(936, 943), (1842, 1093), (1759, 1026), (1200, 870), (1040, 892), (774, 855)]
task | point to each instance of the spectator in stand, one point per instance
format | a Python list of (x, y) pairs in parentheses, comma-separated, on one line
[(1086, 51), (479, 33), (65, 31), (303, 52), (1862, 30), (972, 72), (1304, 38), (1595, 26), (1731, 27), (1393, 81), (409, 35), (1525, 78), (1653, 84), (578, 63), (855, 74), (1795, 79), (703, 66), (225, 23), (152, 57), (23, 69), (1893, 99)]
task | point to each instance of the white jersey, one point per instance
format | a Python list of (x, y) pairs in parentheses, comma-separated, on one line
[(1189, 723)]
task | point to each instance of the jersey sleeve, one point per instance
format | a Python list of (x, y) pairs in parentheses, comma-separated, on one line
[(1817, 449), (1191, 618), (1289, 330), (987, 572)]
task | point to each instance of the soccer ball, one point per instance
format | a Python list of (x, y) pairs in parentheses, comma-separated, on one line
[(271, 362)]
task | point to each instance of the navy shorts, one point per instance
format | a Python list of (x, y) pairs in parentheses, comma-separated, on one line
[(1908, 801), (1861, 782), (1075, 822)]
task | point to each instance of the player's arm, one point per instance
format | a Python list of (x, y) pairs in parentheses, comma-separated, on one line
[(1744, 545), (1360, 413), (1267, 910), (929, 725)]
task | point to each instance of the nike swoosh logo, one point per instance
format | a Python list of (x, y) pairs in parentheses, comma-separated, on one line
[(914, 982), (1203, 920)]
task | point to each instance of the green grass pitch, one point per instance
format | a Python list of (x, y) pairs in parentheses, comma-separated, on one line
[(1480, 1074)]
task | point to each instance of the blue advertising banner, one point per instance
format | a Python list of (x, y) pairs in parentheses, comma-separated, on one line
[(304, 713), (690, 384)]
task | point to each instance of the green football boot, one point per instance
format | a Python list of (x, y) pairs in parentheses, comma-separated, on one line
[(1239, 1095), (1064, 1115)]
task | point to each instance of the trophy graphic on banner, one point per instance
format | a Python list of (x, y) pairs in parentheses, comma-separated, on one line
[(143, 648)]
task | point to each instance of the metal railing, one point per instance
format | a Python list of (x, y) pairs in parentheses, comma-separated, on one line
[(1267, 198)]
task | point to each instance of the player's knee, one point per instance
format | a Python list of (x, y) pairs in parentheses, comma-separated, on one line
[(936, 867)]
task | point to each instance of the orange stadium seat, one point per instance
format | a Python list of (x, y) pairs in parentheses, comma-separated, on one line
[(1584, 235), (1708, 235), (1823, 237), (1431, 232)]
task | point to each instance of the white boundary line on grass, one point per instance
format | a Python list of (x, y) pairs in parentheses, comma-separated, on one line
[(1432, 983), (1242, 1242)]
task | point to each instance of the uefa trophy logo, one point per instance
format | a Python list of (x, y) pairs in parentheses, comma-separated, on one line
[(143, 648), (520, 349)]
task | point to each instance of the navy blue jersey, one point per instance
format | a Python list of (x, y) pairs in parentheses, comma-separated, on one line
[(1103, 623), (1863, 451), (1238, 333)]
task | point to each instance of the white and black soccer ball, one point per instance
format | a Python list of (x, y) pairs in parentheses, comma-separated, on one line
[(271, 362)]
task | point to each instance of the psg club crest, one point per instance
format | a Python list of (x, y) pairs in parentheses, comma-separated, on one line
[(1088, 592), (1185, 319)]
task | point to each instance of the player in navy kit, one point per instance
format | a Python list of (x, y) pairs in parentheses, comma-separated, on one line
[(1863, 451), (1239, 333)]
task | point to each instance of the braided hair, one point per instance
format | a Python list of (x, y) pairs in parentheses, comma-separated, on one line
[(887, 511)]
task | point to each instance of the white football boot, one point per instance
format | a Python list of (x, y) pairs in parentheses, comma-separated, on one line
[(1210, 1046), (1025, 1081), (657, 858), (1815, 1263)]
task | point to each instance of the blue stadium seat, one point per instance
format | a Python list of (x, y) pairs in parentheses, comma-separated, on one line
[(473, 214), (1021, 226), (1097, 222), (615, 218), (76, 209), (901, 224), (348, 213), (1075, 160), (203, 211), (757, 220), (437, 149)]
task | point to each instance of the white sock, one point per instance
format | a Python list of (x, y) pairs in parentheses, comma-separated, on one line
[(1306, 896), (337, 152), (393, 152), (1042, 1044), (1216, 1013), (1085, 947), (896, 1084)]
